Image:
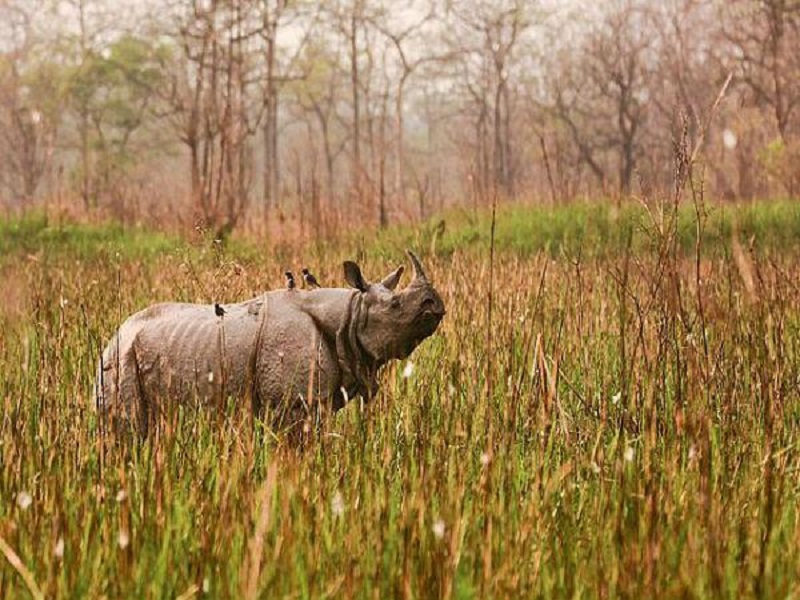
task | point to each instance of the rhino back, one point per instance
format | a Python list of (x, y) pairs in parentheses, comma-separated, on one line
[(186, 350)]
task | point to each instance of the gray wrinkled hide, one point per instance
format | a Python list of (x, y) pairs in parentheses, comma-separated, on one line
[(285, 350)]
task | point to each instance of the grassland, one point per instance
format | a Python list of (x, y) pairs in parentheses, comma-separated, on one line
[(626, 425)]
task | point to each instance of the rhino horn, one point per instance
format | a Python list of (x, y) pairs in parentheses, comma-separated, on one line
[(419, 272)]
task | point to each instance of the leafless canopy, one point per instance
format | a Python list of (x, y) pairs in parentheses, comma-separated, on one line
[(220, 113)]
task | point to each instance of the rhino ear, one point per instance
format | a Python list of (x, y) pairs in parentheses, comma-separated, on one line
[(392, 279), (352, 273)]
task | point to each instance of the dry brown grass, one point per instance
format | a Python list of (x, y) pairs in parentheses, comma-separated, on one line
[(644, 435)]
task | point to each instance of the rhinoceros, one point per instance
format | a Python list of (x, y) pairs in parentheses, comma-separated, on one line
[(289, 350)]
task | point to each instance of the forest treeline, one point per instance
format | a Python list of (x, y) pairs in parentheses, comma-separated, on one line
[(218, 113)]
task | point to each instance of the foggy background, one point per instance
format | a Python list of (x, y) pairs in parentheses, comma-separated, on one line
[(227, 114)]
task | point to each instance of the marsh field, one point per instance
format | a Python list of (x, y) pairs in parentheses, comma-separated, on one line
[(610, 409)]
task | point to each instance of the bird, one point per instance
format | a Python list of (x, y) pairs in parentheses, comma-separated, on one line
[(289, 280), (218, 310), (310, 280)]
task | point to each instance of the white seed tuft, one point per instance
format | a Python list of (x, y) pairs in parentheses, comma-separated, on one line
[(337, 504), (58, 549), (438, 529), (124, 539), (24, 500), (729, 139), (629, 454), (408, 370), (692, 452)]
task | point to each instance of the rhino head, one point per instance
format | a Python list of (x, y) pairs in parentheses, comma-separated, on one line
[(392, 323)]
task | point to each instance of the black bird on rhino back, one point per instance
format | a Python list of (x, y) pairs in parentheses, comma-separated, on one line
[(275, 348), (309, 279)]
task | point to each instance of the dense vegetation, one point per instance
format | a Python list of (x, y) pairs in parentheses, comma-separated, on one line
[(626, 424), (319, 115)]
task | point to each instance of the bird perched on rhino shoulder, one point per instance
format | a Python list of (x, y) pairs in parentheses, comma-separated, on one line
[(310, 280), (290, 285)]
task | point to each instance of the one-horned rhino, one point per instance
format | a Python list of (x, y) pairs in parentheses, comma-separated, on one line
[(289, 351)]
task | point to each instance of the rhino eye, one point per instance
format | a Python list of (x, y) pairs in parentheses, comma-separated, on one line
[(395, 302)]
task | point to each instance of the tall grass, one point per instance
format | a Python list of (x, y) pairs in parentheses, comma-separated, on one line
[(645, 422)]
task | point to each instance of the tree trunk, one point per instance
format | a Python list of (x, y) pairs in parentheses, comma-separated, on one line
[(84, 117), (508, 173), (498, 153), (354, 82), (326, 146), (271, 173), (400, 137)]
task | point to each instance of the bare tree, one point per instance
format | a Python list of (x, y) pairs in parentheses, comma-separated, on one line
[(765, 49), (406, 41), (347, 18), (319, 95), (604, 100), (29, 110), (213, 108), (488, 35), (277, 15), (765, 37)]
